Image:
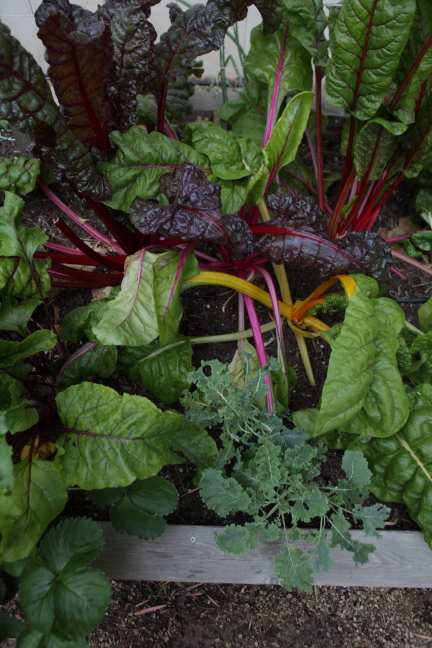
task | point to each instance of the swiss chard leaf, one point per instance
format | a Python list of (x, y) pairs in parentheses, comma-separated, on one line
[(374, 146), (247, 115), (92, 359), (401, 465), (140, 161), (113, 439), (14, 315), (367, 42), (16, 413), (281, 57), (38, 496), (138, 508), (18, 280), (13, 352), (163, 369), (61, 592), (19, 175), (79, 51), (307, 23)]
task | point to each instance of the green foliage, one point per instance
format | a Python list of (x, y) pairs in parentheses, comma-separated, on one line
[(138, 508), (13, 352), (14, 315), (61, 596), (19, 175), (425, 316), (90, 360), (273, 471)]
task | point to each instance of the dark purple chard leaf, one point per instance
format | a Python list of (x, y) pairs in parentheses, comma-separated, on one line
[(298, 213), (306, 244), (27, 103), (80, 51), (133, 39), (194, 212), (193, 32)]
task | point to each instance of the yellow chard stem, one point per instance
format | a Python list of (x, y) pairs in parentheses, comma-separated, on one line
[(287, 299)]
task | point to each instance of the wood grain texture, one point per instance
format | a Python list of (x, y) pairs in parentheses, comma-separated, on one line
[(190, 554)]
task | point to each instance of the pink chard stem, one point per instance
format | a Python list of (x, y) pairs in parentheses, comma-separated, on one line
[(272, 115)]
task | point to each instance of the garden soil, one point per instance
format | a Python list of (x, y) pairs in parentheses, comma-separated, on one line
[(213, 616)]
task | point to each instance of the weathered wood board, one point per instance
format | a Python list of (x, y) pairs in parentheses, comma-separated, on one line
[(189, 553)]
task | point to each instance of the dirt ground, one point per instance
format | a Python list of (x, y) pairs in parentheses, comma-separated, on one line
[(226, 616)]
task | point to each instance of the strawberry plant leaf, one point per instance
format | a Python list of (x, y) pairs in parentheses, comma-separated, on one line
[(34, 639), (74, 545), (367, 42), (113, 439)]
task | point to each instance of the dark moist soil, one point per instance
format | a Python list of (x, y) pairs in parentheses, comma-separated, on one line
[(210, 616)]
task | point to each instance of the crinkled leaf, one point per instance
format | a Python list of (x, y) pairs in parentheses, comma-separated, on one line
[(401, 465), (367, 42), (221, 148), (237, 539), (163, 369), (233, 194), (373, 518), (38, 496), (140, 161), (307, 245), (17, 280), (224, 495), (27, 103), (271, 12), (374, 146), (14, 314), (170, 270), (79, 51), (307, 23), (130, 318), (194, 212), (19, 175), (278, 56), (363, 393), (287, 134), (293, 569), (139, 507), (122, 437), (133, 40), (12, 352), (92, 359)]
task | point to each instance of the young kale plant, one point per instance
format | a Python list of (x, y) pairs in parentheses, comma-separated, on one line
[(273, 470)]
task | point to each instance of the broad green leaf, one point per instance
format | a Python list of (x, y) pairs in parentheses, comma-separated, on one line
[(307, 23), (164, 370), (237, 539), (92, 359), (122, 437), (424, 315), (247, 115), (38, 496), (79, 322), (170, 270), (16, 239), (401, 465), (366, 44), (140, 161), (420, 371), (14, 315), (224, 495), (6, 467), (293, 569), (257, 185), (34, 639), (266, 54), (131, 317), (12, 352), (416, 61), (16, 279), (19, 175), (233, 194), (220, 147), (63, 593), (16, 413), (287, 134), (194, 443), (355, 467), (139, 507), (374, 146), (363, 393)]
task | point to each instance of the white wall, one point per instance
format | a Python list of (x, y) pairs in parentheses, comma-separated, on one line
[(18, 15)]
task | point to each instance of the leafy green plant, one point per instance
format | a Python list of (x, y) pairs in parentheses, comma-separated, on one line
[(273, 471)]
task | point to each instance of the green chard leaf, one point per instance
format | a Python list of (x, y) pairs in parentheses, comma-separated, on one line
[(401, 465), (264, 58), (63, 593), (307, 23), (79, 322), (16, 413), (14, 315), (367, 42), (12, 352), (425, 316), (247, 115), (138, 508), (374, 145), (19, 175), (113, 439), (164, 370), (38, 496), (91, 359), (17, 279)]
